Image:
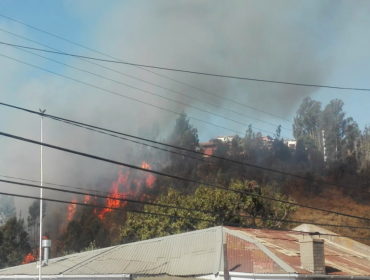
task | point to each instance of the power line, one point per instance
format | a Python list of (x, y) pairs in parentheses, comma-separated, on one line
[(107, 207), (118, 94), (156, 85), (142, 68), (161, 96), (175, 217), (111, 197), (164, 205), (100, 130), (177, 177), (196, 72)]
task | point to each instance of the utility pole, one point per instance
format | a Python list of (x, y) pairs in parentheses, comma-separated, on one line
[(324, 144), (226, 263), (41, 177)]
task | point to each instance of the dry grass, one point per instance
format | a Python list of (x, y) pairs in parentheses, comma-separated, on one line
[(333, 199)]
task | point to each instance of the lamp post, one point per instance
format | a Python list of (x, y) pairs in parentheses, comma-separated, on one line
[(40, 257)]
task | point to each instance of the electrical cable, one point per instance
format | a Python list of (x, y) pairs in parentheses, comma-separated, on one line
[(178, 217), (100, 130), (144, 81), (195, 72), (118, 94), (158, 95), (166, 206), (177, 177), (107, 207), (142, 68)]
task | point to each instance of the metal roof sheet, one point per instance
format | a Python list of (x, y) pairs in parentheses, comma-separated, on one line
[(193, 253), (56, 266), (244, 256), (343, 256), (201, 253)]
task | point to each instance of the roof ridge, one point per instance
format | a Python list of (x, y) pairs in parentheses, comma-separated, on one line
[(242, 235), (155, 240), (90, 259)]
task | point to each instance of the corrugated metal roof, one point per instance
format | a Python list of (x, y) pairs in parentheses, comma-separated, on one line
[(244, 256), (193, 253), (201, 253), (56, 266), (343, 256)]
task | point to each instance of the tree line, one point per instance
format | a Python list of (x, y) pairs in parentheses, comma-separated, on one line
[(330, 146)]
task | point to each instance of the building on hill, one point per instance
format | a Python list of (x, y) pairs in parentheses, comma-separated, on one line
[(267, 141), (208, 148), (214, 253), (292, 144), (225, 139)]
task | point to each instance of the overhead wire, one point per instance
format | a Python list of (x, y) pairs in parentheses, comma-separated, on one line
[(101, 130), (132, 200), (121, 95), (195, 72), (178, 177), (144, 69), (142, 80), (180, 217), (155, 94), (106, 207), (180, 70)]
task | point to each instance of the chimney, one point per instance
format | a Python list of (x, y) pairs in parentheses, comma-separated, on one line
[(46, 244), (312, 254)]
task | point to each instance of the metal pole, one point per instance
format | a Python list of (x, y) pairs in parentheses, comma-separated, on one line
[(40, 257), (226, 262)]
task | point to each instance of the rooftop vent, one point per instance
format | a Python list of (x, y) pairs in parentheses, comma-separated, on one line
[(46, 244), (312, 253)]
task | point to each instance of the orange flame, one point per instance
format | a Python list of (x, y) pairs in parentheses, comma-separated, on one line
[(114, 196), (125, 187), (145, 165), (87, 199), (150, 179), (71, 210), (29, 258)]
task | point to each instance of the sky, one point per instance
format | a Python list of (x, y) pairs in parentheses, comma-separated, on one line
[(313, 42)]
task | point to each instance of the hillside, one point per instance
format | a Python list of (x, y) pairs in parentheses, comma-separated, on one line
[(334, 199)]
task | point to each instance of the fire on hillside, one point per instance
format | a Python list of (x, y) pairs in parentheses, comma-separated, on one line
[(128, 186)]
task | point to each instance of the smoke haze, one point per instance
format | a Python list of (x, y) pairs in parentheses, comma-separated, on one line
[(285, 40)]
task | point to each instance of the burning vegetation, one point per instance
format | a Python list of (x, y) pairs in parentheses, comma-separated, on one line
[(29, 258), (129, 185), (346, 161)]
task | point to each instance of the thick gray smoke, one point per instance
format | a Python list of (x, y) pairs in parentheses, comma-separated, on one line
[(284, 40)]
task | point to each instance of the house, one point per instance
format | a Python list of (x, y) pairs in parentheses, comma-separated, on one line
[(305, 253), (267, 141), (292, 144), (208, 147), (225, 139)]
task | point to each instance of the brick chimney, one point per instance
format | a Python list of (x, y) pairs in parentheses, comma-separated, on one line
[(312, 254)]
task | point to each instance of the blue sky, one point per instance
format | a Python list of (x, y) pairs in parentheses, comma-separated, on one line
[(82, 21), (315, 42)]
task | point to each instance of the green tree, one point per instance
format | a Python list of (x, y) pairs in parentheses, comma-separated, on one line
[(13, 242), (184, 134), (306, 123), (87, 230), (7, 208), (365, 149), (34, 218), (351, 137), (220, 207), (331, 122)]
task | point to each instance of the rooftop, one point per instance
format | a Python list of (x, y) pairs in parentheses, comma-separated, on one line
[(200, 252)]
